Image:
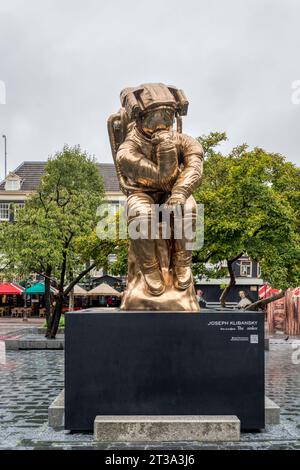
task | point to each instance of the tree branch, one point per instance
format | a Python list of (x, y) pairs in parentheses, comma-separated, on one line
[(207, 257), (77, 278), (232, 279), (232, 260), (262, 302), (44, 275)]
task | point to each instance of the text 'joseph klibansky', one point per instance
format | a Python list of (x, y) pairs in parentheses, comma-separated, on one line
[(112, 224)]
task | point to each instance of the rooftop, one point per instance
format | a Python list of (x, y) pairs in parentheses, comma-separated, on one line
[(31, 173)]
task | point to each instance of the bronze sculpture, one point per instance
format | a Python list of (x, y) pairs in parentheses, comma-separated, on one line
[(157, 165)]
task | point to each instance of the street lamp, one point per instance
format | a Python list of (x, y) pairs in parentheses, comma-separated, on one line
[(5, 155)]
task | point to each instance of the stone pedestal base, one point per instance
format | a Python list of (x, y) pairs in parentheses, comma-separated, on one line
[(272, 412), (166, 428), (56, 412)]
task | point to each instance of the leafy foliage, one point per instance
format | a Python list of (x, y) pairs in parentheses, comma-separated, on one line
[(251, 201), (45, 236)]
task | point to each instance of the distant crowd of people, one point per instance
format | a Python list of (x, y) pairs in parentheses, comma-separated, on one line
[(243, 303)]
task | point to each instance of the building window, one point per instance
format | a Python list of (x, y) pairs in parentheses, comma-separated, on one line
[(246, 268), (4, 210), (258, 270), (112, 258), (12, 185)]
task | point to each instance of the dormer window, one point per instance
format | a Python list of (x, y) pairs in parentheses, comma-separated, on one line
[(12, 185), (12, 182)]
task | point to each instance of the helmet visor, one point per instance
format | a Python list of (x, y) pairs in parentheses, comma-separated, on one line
[(157, 119)]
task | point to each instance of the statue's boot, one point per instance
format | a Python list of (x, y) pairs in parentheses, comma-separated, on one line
[(149, 265), (154, 280), (183, 277)]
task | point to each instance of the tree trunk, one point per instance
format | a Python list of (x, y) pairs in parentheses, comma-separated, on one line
[(53, 327), (56, 315), (71, 293), (54, 323), (229, 286), (47, 294)]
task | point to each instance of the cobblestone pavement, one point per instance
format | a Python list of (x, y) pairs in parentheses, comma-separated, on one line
[(30, 380)]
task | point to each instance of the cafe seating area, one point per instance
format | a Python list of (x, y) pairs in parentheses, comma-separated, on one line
[(21, 312)]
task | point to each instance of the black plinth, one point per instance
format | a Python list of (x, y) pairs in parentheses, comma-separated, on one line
[(144, 363)]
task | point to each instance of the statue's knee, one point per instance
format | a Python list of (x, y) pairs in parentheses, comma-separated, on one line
[(140, 213), (140, 205)]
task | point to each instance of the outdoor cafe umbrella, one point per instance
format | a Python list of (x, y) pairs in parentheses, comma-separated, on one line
[(39, 288), (104, 290), (9, 288), (79, 291)]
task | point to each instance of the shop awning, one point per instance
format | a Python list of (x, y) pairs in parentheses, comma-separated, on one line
[(39, 288), (9, 288)]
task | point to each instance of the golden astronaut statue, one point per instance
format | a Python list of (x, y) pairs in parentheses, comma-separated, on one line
[(157, 165)]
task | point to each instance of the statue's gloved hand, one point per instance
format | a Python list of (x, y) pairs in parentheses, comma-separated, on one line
[(167, 159), (163, 138), (175, 200)]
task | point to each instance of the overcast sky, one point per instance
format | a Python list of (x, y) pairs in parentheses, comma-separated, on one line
[(64, 63)]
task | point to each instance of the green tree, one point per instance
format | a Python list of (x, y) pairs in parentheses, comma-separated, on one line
[(45, 237), (28, 246), (250, 208)]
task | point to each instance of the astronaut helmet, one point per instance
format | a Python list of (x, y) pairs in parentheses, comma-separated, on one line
[(154, 106)]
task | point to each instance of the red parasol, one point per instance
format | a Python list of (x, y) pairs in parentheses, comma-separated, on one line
[(9, 288)]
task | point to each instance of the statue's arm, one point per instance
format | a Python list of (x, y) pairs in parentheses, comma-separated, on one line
[(191, 175), (134, 165)]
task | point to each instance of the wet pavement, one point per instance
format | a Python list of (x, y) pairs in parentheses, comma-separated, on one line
[(14, 327), (30, 380), (18, 334)]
